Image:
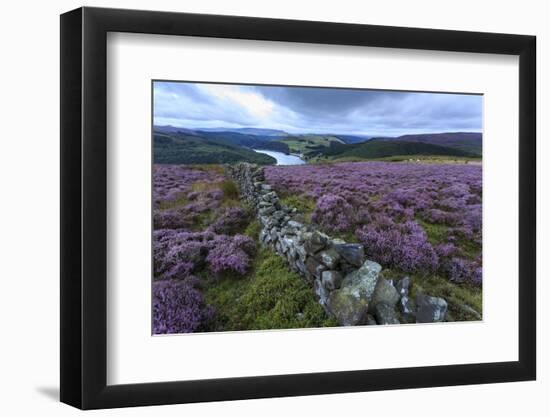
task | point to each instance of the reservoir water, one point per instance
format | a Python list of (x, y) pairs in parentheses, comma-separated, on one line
[(282, 159)]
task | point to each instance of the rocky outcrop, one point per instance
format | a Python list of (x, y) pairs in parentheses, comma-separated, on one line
[(346, 284)]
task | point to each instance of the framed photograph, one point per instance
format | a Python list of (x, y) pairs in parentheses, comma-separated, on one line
[(258, 208)]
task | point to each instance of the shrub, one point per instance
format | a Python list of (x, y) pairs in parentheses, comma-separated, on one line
[(179, 253), (376, 199), (179, 307), (230, 190), (229, 254), (231, 221), (333, 213), (403, 246)]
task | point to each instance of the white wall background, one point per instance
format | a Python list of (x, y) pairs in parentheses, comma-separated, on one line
[(29, 177)]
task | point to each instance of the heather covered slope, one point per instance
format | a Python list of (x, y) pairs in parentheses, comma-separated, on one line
[(424, 220), (209, 273)]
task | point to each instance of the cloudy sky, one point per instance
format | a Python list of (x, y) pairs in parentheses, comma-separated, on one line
[(314, 110)]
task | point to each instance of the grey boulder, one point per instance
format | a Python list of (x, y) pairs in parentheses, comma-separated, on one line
[(350, 303), (384, 293), (407, 308), (329, 258), (316, 242), (320, 291), (314, 267), (430, 309), (385, 314), (353, 253), (331, 280), (402, 286)]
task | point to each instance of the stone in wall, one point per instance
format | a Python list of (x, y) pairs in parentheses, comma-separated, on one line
[(350, 303)]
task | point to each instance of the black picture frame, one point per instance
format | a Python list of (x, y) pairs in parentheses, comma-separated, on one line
[(84, 207)]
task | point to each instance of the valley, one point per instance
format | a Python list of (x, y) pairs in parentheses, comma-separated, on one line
[(174, 145)]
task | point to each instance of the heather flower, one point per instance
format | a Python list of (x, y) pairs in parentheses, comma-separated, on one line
[(446, 250), (473, 216), (477, 276), (459, 270), (179, 307), (173, 219), (384, 197), (334, 213), (231, 254), (231, 221), (179, 253), (404, 246)]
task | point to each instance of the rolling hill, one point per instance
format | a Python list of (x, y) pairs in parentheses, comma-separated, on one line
[(382, 148), (256, 138), (465, 141), (353, 138), (273, 133), (246, 140), (175, 145), (182, 148), (307, 143)]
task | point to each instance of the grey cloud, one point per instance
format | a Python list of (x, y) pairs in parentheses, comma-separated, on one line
[(324, 110), (321, 101)]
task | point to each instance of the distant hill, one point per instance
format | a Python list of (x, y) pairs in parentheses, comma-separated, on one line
[(248, 131), (182, 148), (173, 129), (383, 148), (246, 140), (218, 145), (465, 141), (233, 137), (309, 143), (353, 138)]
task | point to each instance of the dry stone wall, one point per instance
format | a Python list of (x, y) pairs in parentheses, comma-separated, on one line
[(346, 284)]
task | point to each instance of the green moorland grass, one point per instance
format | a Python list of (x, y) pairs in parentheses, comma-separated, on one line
[(253, 230), (457, 295), (180, 200), (468, 248), (437, 233), (304, 205), (270, 296)]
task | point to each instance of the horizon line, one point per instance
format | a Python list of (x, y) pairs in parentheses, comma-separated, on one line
[(222, 129)]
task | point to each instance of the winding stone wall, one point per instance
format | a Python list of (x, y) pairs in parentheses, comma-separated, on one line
[(346, 284)]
